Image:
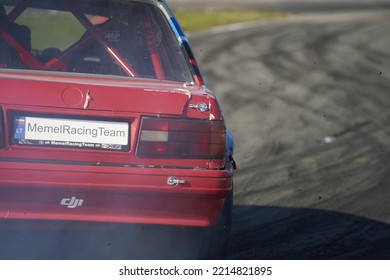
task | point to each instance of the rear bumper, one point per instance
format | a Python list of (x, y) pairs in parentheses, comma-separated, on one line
[(111, 194)]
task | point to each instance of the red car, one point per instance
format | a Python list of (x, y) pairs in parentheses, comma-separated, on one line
[(106, 124)]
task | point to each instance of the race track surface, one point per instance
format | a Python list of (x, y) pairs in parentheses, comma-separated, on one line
[(307, 99)]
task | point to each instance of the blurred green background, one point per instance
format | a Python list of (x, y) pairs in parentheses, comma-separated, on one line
[(198, 19)]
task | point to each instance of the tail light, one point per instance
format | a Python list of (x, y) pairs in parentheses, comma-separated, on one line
[(177, 138)]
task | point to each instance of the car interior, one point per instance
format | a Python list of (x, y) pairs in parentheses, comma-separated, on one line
[(14, 32), (130, 40)]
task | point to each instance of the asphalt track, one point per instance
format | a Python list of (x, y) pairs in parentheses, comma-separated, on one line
[(307, 100)]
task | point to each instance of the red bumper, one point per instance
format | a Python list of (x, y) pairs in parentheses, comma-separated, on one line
[(65, 192)]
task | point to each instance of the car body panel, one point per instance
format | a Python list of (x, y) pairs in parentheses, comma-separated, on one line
[(110, 194)]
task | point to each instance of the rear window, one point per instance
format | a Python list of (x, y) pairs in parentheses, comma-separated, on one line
[(123, 38)]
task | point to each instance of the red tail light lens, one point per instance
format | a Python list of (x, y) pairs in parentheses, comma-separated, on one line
[(176, 138)]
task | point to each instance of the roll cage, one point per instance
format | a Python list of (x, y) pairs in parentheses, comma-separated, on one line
[(95, 33)]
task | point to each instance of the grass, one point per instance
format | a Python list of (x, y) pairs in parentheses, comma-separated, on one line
[(197, 19), (60, 30)]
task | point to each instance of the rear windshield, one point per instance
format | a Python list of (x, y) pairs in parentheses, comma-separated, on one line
[(112, 37)]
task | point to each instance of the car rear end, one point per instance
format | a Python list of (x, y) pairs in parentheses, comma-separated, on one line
[(137, 144)]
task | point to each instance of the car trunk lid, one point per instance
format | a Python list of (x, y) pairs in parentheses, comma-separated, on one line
[(89, 93)]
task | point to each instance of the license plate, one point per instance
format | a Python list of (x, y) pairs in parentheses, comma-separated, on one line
[(72, 133)]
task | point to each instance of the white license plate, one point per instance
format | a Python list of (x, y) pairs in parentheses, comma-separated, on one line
[(76, 133)]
